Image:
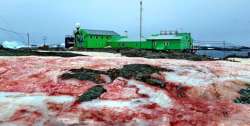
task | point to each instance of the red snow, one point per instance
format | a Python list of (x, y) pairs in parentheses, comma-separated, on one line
[(33, 74), (190, 110), (119, 90), (25, 116)]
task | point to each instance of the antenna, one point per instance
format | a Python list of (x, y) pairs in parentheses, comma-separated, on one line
[(28, 39), (141, 9), (44, 40)]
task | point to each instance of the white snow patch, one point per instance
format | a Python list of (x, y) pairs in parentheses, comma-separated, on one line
[(156, 96), (203, 76), (190, 76), (98, 54), (114, 104), (13, 101), (93, 54), (13, 44)]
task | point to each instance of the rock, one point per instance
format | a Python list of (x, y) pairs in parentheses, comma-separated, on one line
[(245, 96), (84, 74), (93, 93)]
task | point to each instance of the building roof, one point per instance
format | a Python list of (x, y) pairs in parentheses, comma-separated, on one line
[(101, 32), (164, 37), (130, 40)]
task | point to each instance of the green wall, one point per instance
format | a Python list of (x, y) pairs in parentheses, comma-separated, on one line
[(93, 41), (130, 44), (85, 40)]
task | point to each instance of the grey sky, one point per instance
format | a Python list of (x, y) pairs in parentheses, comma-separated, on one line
[(206, 19)]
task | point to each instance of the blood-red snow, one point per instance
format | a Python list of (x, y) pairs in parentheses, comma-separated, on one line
[(123, 103)]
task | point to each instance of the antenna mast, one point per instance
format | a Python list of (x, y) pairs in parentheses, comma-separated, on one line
[(141, 9)]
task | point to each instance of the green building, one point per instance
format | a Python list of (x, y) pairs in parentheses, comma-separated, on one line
[(86, 38), (166, 40), (175, 41), (170, 41)]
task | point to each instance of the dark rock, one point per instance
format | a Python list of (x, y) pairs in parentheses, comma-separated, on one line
[(29, 52), (155, 82), (244, 96), (136, 71), (140, 72), (93, 93), (84, 74), (152, 54)]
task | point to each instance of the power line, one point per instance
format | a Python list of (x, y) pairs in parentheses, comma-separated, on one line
[(18, 33), (14, 32)]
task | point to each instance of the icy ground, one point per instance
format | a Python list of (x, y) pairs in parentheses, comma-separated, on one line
[(196, 93), (94, 54)]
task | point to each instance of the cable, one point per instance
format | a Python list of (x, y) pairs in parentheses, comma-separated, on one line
[(21, 35), (6, 30)]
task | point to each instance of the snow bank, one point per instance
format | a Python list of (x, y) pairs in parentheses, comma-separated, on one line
[(12, 101), (13, 44), (114, 103), (208, 85), (155, 96)]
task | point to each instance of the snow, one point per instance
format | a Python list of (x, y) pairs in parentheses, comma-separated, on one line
[(228, 78), (13, 44), (114, 103), (98, 54), (242, 61), (206, 73), (190, 76), (12, 101), (155, 96), (94, 54)]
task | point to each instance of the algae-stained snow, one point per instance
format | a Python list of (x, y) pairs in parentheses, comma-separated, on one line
[(195, 93)]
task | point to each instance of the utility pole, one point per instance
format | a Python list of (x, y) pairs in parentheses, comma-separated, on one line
[(141, 9), (28, 38), (44, 40), (224, 48)]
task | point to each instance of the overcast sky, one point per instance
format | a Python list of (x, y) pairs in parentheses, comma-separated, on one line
[(206, 19)]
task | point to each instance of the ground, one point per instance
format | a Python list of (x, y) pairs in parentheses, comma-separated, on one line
[(202, 93)]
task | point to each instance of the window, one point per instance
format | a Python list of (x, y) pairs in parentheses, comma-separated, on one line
[(166, 43), (108, 37), (154, 43)]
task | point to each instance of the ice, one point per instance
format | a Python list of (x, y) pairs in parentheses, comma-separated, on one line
[(22, 74), (204, 74), (191, 76), (114, 103), (13, 44), (155, 96), (11, 102)]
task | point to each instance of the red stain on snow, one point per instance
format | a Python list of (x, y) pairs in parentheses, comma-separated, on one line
[(187, 110), (25, 116), (119, 90), (192, 111)]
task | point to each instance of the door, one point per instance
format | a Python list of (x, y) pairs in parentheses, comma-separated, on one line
[(159, 45)]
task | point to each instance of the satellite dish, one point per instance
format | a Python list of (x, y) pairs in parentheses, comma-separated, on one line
[(78, 25)]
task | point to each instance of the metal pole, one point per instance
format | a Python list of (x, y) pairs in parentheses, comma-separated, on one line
[(140, 22), (44, 40), (28, 38), (224, 48)]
